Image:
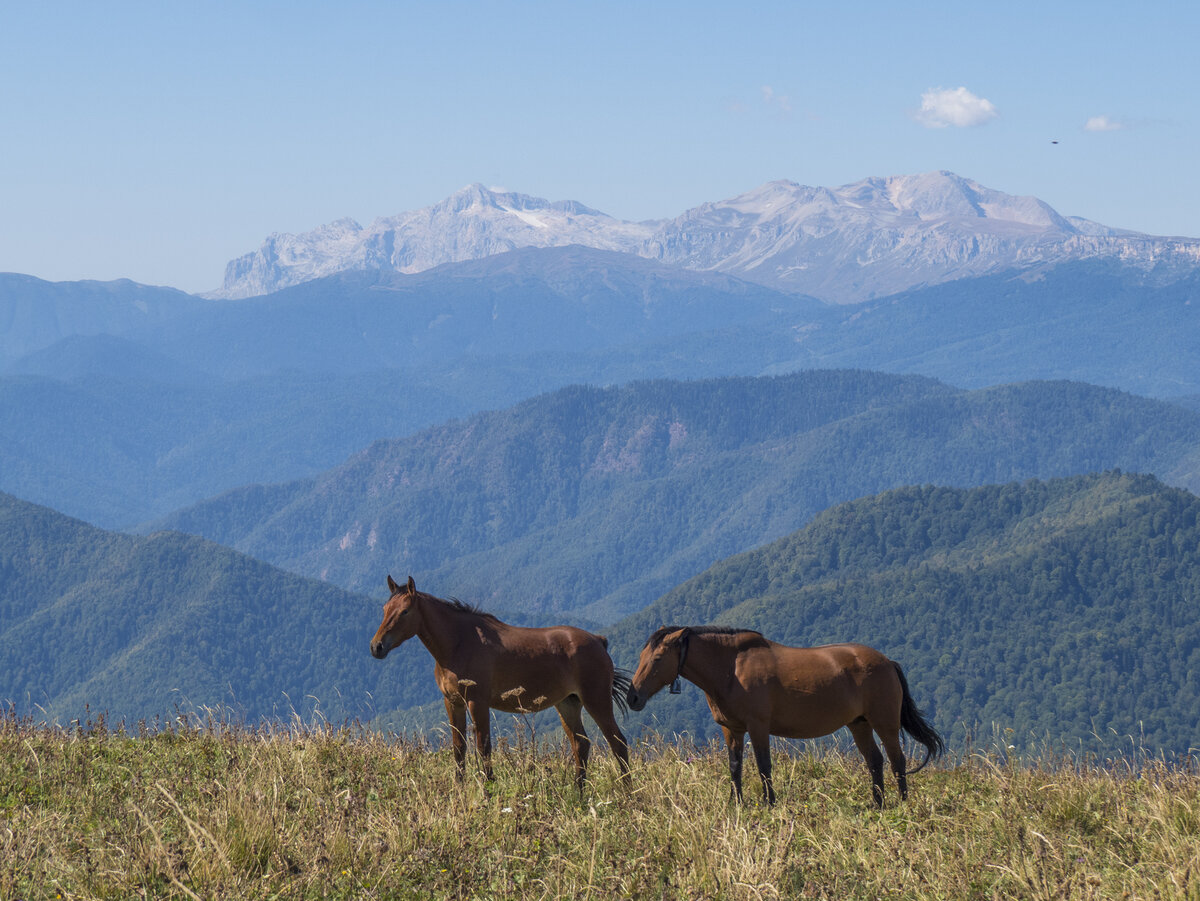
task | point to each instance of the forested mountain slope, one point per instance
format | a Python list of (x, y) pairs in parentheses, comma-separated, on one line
[(1064, 610), (598, 500), (138, 627)]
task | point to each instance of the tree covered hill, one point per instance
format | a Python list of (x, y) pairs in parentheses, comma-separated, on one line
[(137, 627), (596, 501), (1062, 609)]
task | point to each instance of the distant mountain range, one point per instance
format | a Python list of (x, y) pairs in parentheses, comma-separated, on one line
[(864, 240), (35, 314), (371, 319), (469, 225), (120, 403)]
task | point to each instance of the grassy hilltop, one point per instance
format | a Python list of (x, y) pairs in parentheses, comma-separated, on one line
[(195, 811)]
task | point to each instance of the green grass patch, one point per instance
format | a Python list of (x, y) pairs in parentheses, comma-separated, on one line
[(204, 810)]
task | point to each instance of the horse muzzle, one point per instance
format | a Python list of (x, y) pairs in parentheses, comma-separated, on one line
[(634, 700), (380, 648)]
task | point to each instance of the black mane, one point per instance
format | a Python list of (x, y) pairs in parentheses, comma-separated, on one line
[(462, 606)]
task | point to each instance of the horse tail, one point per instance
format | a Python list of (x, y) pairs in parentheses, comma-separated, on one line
[(914, 723), (622, 682)]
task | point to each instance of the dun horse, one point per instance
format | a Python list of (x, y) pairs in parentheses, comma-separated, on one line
[(483, 663), (757, 686)]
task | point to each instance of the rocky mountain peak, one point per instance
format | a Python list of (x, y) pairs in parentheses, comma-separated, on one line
[(871, 238)]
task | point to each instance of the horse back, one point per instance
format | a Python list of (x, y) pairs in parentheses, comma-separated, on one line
[(772, 661), (806, 692), (543, 665), (560, 641)]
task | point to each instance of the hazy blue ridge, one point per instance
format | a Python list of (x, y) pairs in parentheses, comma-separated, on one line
[(160, 399)]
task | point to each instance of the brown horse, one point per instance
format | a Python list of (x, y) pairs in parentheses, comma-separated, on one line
[(757, 686), (483, 663)]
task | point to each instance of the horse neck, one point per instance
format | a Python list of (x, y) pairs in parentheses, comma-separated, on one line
[(443, 627), (709, 660)]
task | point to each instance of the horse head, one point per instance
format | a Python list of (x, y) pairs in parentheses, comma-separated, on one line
[(661, 663), (401, 618)]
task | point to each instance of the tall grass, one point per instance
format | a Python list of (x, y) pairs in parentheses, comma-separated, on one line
[(203, 809)]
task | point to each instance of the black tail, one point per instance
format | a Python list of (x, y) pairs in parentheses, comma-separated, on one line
[(622, 682), (914, 723)]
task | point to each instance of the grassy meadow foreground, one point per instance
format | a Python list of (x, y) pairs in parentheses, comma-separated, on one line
[(197, 810)]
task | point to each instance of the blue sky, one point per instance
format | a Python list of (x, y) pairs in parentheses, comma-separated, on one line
[(155, 141)]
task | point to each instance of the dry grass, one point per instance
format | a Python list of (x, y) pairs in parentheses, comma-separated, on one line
[(205, 811)]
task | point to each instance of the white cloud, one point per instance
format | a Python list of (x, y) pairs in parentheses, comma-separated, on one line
[(782, 101), (1102, 123), (957, 107)]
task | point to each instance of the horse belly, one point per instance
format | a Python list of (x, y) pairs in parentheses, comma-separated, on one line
[(813, 714), (523, 686)]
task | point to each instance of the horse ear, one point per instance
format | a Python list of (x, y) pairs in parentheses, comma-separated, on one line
[(392, 586), (679, 636), (412, 586)]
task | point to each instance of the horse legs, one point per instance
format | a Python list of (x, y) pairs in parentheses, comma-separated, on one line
[(734, 741), (481, 716), (760, 740), (456, 712), (570, 711), (602, 713), (861, 730), (895, 754)]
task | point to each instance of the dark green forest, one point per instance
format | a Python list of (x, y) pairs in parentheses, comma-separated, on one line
[(148, 627), (1062, 610), (594, 501)]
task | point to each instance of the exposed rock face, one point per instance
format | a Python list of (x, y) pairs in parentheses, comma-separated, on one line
[(867, 239), (883, 235), (470, 224)]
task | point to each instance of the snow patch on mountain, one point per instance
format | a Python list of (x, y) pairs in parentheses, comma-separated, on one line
[(879, 236), (472, 223), (868, 239)]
